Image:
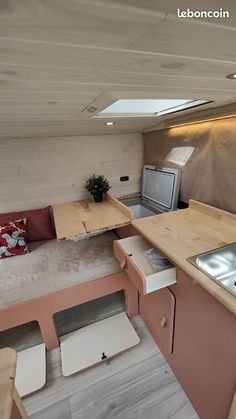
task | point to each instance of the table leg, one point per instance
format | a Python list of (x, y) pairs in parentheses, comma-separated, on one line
[(48, 331)]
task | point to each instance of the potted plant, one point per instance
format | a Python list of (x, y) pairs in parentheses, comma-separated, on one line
[(97, 186)]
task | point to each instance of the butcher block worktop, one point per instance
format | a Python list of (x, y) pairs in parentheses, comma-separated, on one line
[(7, 374), (11, 405), (184, 233)]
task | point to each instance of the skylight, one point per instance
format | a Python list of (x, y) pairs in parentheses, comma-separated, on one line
[(148, 107)]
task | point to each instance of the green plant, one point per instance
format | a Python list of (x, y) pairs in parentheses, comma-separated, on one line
[(96, 184)]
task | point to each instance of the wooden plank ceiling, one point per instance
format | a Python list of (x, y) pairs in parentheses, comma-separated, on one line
[(57, 56)]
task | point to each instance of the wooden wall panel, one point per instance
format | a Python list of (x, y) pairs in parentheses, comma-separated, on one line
[(37, 172)]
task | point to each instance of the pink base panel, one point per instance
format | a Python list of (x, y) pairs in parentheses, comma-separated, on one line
[(15, 414), (204, 342), (126, 231), (42, 309)]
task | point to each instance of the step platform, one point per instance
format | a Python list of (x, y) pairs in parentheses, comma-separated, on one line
[(30, 370), (96, 343)]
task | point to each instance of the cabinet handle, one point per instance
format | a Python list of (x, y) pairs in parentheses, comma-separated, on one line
[(123, 264), (163, 321)]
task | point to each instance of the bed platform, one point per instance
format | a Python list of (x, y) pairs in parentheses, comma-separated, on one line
[(57, 275)]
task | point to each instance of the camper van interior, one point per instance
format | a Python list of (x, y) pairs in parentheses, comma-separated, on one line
[(117, 209)]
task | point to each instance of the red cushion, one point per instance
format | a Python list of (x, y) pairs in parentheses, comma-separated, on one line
[(12, 239), (39, 224)]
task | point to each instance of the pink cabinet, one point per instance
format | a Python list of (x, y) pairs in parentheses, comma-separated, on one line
[(204, 356), (194, 331), (126, 231), (158, 312), (198, 341)]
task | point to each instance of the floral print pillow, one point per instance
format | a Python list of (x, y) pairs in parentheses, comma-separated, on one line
[(12, 238)]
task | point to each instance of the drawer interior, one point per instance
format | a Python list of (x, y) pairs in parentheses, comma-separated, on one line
[(136, 247), (131, 254)]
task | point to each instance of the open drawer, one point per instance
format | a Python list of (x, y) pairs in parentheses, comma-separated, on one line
[(130, 252)]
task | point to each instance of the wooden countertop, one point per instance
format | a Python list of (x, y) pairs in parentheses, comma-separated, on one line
[(7, 375), (184, 233), (82, 219)]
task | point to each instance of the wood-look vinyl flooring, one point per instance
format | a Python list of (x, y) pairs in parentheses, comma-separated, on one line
[(137, 384)]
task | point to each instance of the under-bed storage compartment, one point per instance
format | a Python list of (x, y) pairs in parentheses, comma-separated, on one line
[(93, 332), (131, 253), (27, 341)]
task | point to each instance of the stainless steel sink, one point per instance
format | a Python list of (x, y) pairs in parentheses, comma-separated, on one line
[(220, 265)]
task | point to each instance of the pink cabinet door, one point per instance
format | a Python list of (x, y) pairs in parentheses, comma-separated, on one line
[(204, 357), (158, 311)]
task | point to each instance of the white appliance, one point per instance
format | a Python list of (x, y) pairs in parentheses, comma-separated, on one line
[(160, 191)]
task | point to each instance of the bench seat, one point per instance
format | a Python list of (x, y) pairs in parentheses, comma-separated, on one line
[(54, 265)]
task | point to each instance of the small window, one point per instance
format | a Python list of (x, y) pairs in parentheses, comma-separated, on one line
[(180, 155)]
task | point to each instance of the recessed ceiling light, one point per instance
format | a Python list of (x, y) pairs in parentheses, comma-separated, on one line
[(231, 76), (110, 123)]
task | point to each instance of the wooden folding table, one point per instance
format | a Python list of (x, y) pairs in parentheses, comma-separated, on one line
[(82, 219)]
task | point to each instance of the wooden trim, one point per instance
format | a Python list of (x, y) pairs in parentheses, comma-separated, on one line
[(216, 213), (120, 206), (7, 375), (11, 405), (232, 412)]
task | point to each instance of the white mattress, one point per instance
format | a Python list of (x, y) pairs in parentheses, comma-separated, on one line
[(54, 265)]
